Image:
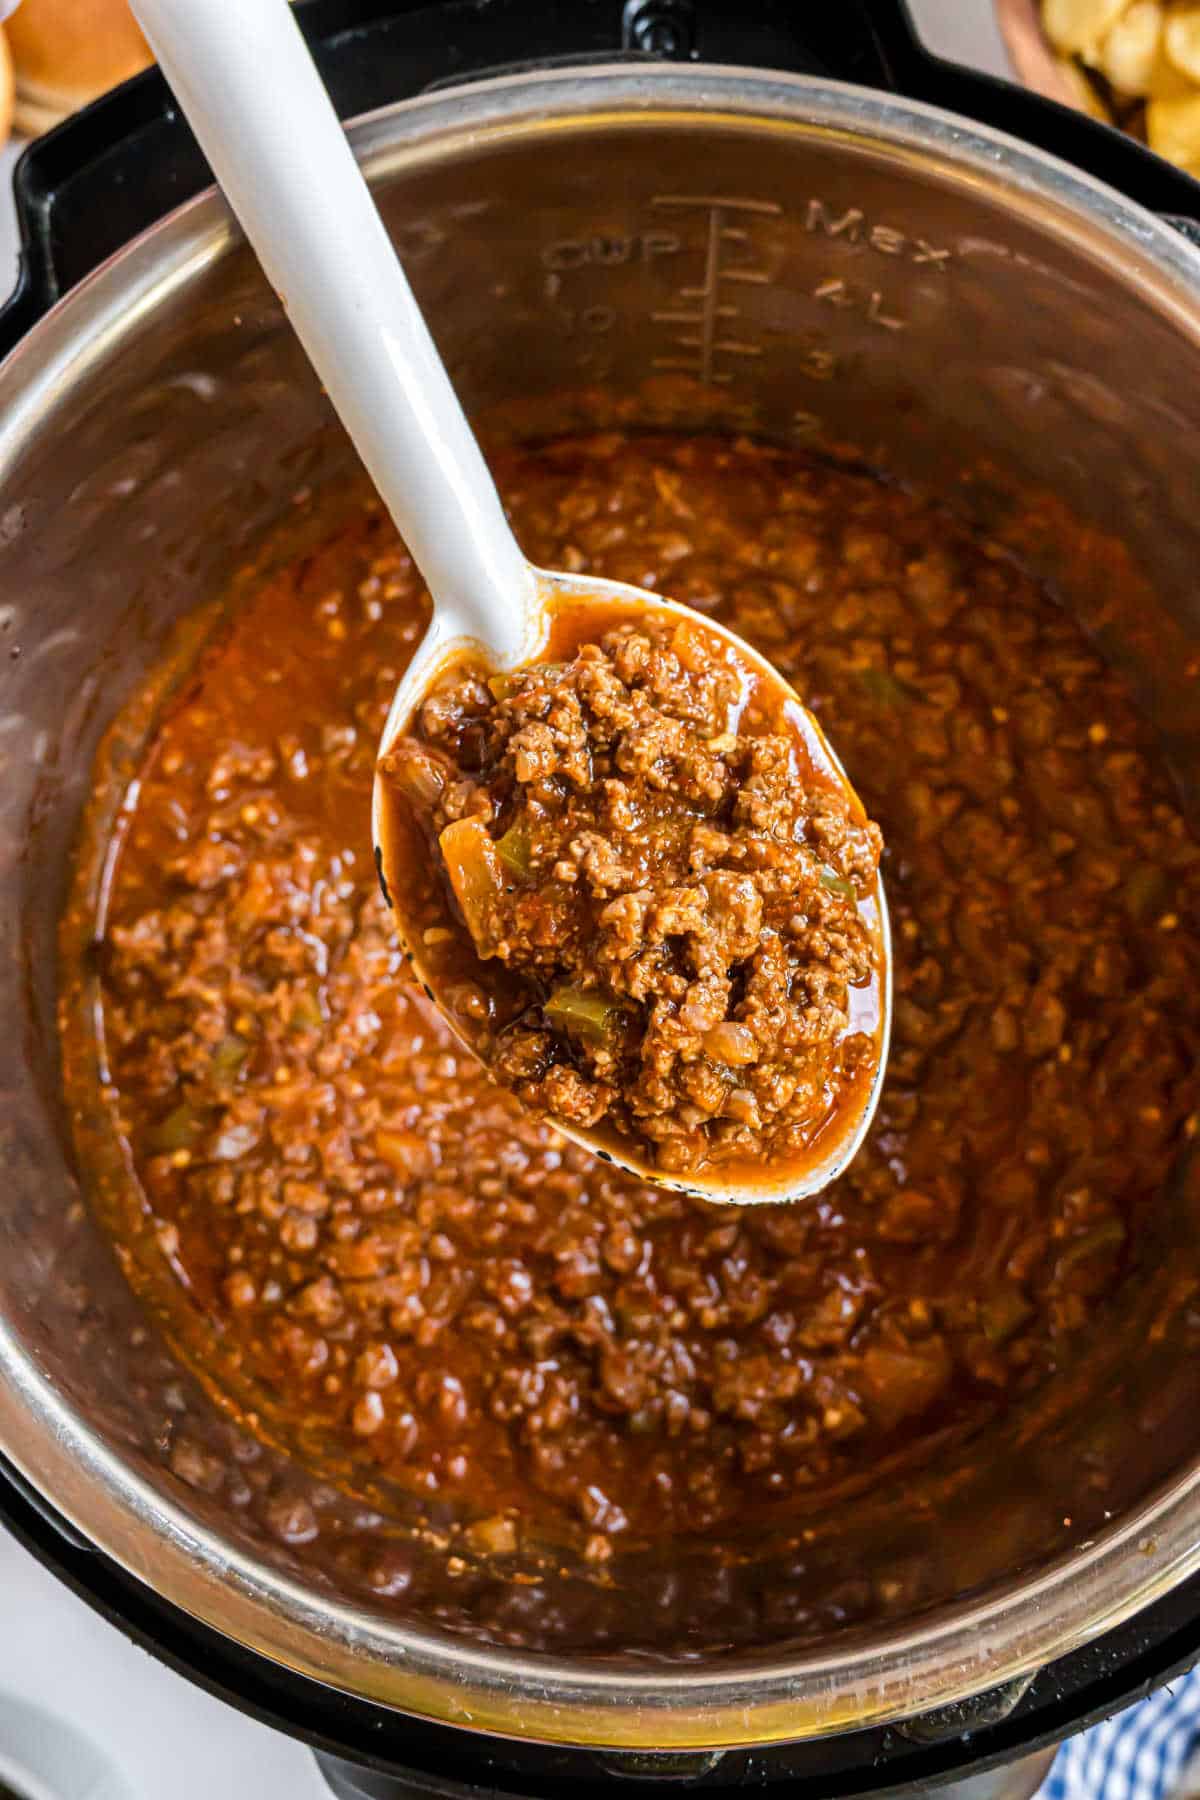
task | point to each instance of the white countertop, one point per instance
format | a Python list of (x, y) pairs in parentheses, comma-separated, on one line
[(167, 1739)]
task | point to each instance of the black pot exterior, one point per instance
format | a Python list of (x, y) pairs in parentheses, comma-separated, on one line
[(370, 1751)]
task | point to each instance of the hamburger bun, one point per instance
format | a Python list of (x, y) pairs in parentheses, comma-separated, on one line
[(66, 52), (6, 89)]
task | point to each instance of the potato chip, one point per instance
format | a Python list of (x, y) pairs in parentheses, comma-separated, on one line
[(1128, 53), (1165, 81), (1173, 129), (1076, 26), (1083, 94), (1181, 41)]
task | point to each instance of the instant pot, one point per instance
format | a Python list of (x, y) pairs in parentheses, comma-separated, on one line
[(769, 218)]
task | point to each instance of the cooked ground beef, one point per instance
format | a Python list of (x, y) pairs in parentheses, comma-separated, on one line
[(639, 834), (385, 1261)]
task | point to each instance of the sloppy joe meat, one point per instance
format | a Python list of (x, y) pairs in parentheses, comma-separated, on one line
[(388, 1262), (640, 835)]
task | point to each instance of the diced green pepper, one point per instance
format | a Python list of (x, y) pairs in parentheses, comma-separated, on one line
[(1107, 1236), (585, 1015), (180, 1130), (1003, 1315), (837, 884), (887, 689), (228, 1057), (515, 850), (305, 1013)]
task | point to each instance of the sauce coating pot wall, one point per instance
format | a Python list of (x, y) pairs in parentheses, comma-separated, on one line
[(710, 248)]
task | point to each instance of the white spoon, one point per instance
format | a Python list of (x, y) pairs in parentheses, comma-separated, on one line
[(242, 74)]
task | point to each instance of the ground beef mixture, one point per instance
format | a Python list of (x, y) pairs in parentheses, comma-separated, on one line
[(636, 829), (413, 1275)]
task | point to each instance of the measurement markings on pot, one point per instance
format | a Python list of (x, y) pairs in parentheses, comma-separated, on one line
[(600, 250), (854, 226), (869, 303), (712, 324), (712, 336), (708, 313)]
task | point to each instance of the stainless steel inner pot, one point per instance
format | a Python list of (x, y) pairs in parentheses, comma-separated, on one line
[(762, 253)]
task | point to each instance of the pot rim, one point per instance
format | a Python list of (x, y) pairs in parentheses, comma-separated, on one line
[(956, 1652)]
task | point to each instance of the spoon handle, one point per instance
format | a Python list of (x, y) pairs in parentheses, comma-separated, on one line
[(243, 76)]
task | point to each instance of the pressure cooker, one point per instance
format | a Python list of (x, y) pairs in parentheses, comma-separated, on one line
[(783, 220)]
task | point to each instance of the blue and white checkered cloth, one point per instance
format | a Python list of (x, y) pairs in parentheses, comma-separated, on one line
[(1139, 1754)]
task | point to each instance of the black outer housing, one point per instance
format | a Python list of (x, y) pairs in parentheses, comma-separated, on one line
[(84, 191), (358, 1742), (87, 188)]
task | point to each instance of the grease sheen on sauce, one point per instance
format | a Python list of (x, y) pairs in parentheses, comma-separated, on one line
[(386, 1261)]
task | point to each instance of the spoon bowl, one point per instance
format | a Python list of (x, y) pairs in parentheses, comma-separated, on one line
[(447, 643), (282, 159)]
